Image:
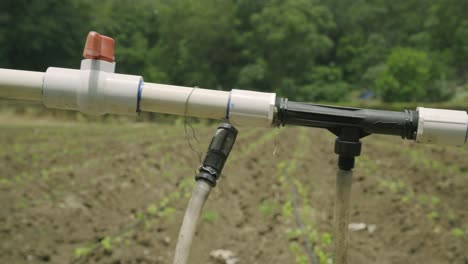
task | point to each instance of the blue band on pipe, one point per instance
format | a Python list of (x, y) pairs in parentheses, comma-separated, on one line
[(140, 89), (228, 108), (466, 135)]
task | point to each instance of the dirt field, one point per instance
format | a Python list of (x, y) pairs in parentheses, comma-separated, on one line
[(116, 193)]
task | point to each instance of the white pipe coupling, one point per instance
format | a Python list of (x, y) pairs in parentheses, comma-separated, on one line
[(439, 126), (94, 89), (248, 108)]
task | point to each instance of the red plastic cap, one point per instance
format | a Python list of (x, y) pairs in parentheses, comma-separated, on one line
[(99, 47)]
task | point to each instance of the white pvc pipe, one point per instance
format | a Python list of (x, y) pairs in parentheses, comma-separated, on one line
[(444, 127), (21, 85), (180, 100)]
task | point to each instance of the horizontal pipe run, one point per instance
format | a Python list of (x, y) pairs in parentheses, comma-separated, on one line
[(95, 89), (21, 85)]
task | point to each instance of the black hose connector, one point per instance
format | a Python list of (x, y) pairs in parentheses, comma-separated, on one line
[(217, 153)]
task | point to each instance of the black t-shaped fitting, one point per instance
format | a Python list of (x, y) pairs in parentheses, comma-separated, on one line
[(348, 124), (333, 118)]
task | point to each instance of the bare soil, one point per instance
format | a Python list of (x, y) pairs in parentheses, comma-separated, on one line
[(116, 193)]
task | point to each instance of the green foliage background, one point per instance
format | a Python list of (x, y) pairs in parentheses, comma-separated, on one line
[(314, 50)]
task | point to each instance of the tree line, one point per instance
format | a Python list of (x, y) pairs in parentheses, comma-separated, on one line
[(312, 50)]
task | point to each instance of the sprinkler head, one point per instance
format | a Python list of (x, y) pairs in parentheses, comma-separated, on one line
[(217, 154)]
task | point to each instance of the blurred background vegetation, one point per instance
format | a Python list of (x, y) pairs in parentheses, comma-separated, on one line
[(311, 50)]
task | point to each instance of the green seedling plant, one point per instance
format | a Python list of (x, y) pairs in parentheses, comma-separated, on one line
[(268, 207), (210, 216)]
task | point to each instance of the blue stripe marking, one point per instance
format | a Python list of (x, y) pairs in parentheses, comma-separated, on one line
[(228, 108), (140, 89), (466, 135)]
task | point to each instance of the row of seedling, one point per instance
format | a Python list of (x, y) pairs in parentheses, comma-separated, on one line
[(165, 207), (433, 205), (56, 193), (420, 158), (306, 242)]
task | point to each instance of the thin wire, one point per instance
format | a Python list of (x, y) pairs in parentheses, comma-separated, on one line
[(187, 123)]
